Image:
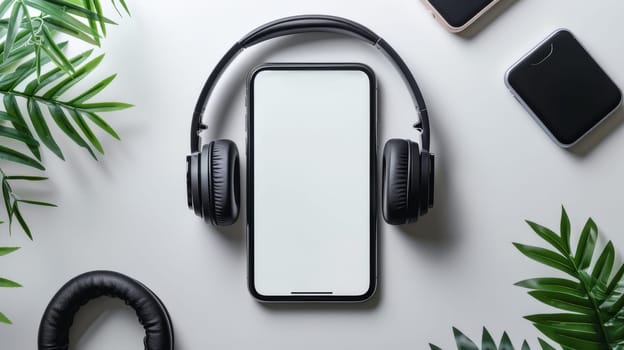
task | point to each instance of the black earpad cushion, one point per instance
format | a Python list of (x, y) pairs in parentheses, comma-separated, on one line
[(431, 181), (426, 172), (59, 315), (399, 187), (205, 190), (193, 183), (224, 182), (189, 187), (415, 190)]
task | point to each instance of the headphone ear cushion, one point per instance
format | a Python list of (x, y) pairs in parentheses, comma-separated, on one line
[(426, 182), (224, 182), (58, 316), (400, 177), (193, 184)]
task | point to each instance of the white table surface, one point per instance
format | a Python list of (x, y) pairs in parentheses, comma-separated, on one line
[(456, 267)]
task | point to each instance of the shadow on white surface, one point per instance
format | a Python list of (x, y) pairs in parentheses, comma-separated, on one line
[(436, 230), (602, 132)]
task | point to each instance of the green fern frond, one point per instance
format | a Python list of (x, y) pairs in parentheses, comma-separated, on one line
[(591, 297), (488, 343)]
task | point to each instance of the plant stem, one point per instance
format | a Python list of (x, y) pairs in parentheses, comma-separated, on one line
[(596, 307), (44, 100)]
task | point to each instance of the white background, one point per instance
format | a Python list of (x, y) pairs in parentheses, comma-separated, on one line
[(456, 267)]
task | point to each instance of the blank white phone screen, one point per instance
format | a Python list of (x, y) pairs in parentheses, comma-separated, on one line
[(311, 150)]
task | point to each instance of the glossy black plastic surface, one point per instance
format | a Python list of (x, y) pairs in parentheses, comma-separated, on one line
[(459, 12), (564, 87)]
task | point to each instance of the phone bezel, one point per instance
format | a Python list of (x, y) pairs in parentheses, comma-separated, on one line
[(372, 174), (453, 29)]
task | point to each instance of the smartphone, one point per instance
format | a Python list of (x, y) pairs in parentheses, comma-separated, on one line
[(563, 88), (457, 15), (311, 182)]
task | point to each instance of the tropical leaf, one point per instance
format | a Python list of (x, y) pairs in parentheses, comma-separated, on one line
[(18, 121), (54, 52), (15, 22), (67, 16), (90, 6), (4, 319), (5, 283), (36, 73), (27, 48), (7, 250), (487, 342), (69, 115), (12, 200), (591, 296), (20, 219), (28, 178), (17, 157)]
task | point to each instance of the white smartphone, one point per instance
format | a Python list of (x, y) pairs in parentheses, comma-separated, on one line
[(457, 15), (311, 182)]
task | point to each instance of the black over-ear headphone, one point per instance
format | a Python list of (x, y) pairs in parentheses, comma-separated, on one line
[(59, 315), (213, 184)]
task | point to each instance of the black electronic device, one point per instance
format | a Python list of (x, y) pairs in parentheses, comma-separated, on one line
[(213, 183), (563, 88), (457, 15), (213, 170), (312, 181)]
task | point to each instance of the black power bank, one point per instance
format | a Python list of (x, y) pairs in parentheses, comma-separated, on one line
[(563, 88)]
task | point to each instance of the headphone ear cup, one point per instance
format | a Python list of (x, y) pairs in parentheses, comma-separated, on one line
[(400, 177), (224, 182)]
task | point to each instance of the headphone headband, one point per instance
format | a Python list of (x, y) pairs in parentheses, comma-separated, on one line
[(308, 24)]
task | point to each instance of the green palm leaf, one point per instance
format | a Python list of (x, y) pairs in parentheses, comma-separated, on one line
[(4, 319), (64, 16), (591, 298), (37, 83), (15, 22), (12, 201), (487, 342), (70, 115), (7, 250), (18, 157), (5, 283)]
